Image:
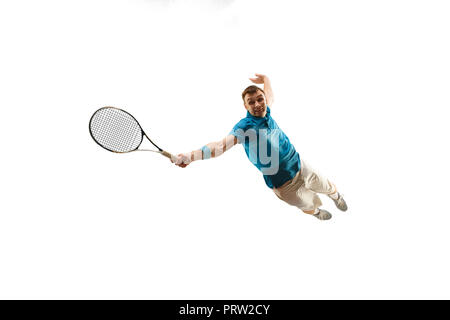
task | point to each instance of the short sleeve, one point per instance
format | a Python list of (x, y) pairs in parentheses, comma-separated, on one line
[(239, 130)]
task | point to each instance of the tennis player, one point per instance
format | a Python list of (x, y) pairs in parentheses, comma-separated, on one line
[(269, 149)]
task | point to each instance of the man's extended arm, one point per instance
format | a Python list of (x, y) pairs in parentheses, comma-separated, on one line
[(211, 150)]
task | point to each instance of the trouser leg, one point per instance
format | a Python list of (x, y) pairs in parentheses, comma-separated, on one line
[(315, 182), (296, 194)]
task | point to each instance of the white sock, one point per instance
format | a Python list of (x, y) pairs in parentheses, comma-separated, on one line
[(334, 196), (316, 211)]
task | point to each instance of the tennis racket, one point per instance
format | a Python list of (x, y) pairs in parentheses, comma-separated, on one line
[(118, 131)]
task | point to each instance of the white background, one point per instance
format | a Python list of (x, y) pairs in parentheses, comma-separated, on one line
[(361, 88)]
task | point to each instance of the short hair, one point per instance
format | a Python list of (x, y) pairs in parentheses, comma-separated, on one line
[(251, 90)]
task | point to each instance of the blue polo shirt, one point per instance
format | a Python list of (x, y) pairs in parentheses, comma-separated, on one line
[(268, 148)]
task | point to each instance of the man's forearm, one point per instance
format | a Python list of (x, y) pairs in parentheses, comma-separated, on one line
[(196, 155), (213, 149), (268, 91)]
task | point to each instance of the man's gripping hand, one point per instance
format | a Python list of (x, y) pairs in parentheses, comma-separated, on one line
[(182, 160)]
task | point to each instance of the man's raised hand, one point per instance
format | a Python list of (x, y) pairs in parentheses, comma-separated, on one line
[(259, 78)]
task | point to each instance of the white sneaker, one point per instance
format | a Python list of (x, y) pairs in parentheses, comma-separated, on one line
[(340, 202), (323, 215)]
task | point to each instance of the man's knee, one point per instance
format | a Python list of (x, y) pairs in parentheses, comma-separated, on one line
[(312, 180), (292, 200)]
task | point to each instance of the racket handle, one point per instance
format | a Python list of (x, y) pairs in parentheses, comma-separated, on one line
[(166, 154)]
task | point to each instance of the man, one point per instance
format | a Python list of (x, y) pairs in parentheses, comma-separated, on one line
[(291, 179)]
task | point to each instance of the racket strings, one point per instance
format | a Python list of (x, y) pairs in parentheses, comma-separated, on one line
[(116, 130)]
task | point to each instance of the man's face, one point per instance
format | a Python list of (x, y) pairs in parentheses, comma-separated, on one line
[(255, 104)]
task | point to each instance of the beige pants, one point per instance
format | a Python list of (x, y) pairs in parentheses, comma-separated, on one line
[(302, 191)]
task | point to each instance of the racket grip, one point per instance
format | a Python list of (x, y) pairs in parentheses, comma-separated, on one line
[(166, 154)]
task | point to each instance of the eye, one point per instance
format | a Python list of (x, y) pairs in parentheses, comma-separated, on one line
[(251, 102), (260, 100)]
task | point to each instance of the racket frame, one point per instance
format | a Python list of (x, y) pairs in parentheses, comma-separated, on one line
[(160, 151)]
